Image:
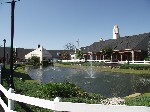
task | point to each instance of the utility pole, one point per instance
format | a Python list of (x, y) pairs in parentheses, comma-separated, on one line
[(11, 84)]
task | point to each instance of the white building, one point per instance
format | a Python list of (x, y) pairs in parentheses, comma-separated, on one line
[(116, 34), (40, 52), (73, 57)]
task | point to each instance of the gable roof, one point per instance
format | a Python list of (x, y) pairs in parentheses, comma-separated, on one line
[(21, 52), (55, 53), (136, 42)]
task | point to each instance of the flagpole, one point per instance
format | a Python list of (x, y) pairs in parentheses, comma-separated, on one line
[(78, 43)]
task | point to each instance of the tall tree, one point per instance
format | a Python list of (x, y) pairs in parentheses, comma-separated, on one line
[(70, 46), (79, 54), (107, 52), (65, 55)]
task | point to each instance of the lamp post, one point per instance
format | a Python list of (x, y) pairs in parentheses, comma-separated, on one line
[(4, 53), (7, 58)]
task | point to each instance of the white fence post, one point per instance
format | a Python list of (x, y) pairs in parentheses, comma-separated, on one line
[(57, 99), (132, 61), (10, 102)]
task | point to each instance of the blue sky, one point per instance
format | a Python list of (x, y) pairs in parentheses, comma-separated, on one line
[(54, 23)]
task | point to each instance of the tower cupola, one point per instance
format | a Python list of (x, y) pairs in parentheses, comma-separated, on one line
[(116, 34)]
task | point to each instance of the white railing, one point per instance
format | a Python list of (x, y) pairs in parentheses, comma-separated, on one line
[(99, 61), (64, 106), (74, 60), (77, 60), (109, 61), (135, 62), (56, 105)]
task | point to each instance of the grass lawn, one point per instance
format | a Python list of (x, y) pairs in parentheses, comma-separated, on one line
[(124, 71), (109, 69)]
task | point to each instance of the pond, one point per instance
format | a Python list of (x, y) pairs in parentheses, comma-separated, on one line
[(106, 84)]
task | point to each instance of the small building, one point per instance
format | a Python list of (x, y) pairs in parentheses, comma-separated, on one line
[(40, 52)]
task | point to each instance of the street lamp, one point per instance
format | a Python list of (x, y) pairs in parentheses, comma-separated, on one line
[(4, 53), (7, 58)]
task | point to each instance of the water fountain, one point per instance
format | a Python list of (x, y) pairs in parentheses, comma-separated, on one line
[(106, 84), (90, 71), (54, 67)]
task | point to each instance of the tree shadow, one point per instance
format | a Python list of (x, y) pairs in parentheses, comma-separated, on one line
[(5, 82), (24, 106), (22, 76)]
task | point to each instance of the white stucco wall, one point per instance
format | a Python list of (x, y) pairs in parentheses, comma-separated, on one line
[(73, 57)]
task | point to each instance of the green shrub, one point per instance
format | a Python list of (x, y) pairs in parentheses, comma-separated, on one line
[(143, 100), (147, 59), (91, 98), (45, 63), (62, 90), (34, 60)]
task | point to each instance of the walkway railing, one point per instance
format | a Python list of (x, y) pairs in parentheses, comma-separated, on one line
[(109, 61), (135, 62), (56, 105), (82, 60)]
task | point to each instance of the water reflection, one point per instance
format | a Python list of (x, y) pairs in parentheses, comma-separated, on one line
[(104, 83)]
